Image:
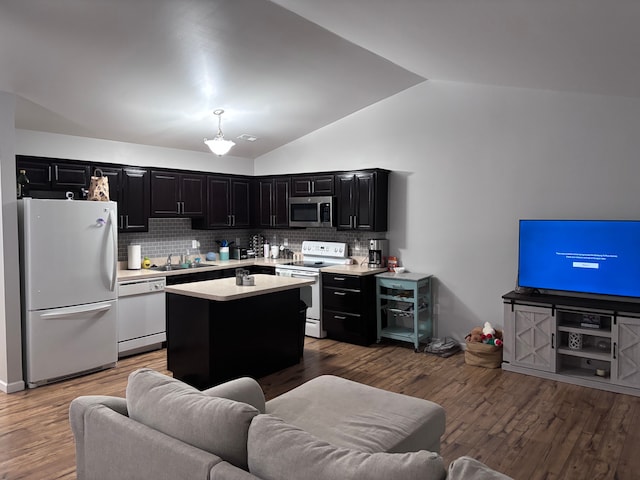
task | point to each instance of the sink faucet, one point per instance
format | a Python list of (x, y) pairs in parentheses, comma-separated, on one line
[(169, 259)]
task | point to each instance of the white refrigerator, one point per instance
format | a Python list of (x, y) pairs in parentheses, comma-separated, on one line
[(68, 260)]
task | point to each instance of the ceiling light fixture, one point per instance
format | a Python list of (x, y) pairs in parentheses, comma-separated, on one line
[(219, 145)]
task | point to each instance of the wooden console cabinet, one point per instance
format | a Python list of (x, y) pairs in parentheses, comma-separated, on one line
[(589, 342)]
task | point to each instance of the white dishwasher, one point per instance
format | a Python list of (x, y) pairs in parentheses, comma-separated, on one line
[(141, 315)]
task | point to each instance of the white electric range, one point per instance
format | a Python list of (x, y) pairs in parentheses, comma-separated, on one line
[(315, 255)]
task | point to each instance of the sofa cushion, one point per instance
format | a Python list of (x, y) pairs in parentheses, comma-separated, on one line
[(216, 425), (279, 451), (370, 419)]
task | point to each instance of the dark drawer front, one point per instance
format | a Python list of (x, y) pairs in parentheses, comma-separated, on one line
[(342, 300), (339, 322), (340, 281), (345, 327)]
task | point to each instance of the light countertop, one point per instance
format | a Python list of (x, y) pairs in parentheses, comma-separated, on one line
[(353, 270), (225, 289), (125, 274)]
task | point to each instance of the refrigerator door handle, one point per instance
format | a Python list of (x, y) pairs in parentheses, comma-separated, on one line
[(76, 311), (114, 238)]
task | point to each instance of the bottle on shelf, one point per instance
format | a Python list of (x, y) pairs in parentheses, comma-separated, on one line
[(23, 184)]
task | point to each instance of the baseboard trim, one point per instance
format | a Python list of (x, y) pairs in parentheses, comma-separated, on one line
[(12, 387)]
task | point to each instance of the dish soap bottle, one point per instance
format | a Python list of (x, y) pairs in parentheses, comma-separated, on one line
[(23, 184)]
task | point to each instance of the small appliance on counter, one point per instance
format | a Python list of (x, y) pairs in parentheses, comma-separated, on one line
[(239, 253), (378, 252)]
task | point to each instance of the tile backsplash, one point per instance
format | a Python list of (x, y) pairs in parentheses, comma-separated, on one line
[(175, 235)]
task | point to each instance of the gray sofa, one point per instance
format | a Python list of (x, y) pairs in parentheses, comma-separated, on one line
[(328, 428)]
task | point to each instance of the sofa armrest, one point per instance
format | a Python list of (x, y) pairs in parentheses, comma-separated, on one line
[(245, 390), (77, 410), (467, 468), (111, 445)]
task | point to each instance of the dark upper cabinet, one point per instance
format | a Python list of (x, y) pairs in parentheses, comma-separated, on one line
[(272, 202), (228, 203), (175, 194), (362, 200), (130, 188), (48, 174), (308, 185)]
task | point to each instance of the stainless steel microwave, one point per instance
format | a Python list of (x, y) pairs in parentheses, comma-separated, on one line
[(311, 211)]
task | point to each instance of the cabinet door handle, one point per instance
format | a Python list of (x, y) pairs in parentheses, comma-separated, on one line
[(341, 279), (341, 294), (615, 350), (49, 172), (126, 221), (56, 172), (229, 220), (233, 219), (553, 340), (339, 317), (182, 207), (121, 222), (178, 207)]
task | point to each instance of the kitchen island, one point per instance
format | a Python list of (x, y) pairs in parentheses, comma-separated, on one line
[(217, 330)]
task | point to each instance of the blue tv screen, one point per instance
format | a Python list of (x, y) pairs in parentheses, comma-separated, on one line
[(587, 256)]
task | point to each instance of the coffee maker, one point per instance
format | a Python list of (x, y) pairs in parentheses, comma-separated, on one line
[(378, 253)]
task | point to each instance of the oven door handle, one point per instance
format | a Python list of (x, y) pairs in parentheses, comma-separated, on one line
[(304, 275)]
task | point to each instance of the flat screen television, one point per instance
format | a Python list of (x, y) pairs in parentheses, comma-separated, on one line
[(597, 257)]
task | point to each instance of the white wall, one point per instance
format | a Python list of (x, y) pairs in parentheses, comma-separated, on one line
[(468, 162), (29, 142), (10, 343)]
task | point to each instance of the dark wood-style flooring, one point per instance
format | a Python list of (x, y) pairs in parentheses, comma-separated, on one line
[(526, 427)]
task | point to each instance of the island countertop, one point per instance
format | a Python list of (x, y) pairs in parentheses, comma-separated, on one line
[(225, 289)]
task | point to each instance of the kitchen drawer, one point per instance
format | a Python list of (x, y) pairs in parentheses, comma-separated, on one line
[(345, 327), (397, 283), (342, 300), (341, 281)]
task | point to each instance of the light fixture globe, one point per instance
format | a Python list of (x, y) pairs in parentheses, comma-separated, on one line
[(218, 144)]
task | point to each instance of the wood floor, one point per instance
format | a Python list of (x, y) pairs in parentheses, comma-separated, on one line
[(526, 427)]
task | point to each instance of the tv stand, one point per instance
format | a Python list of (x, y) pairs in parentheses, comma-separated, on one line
[(584, 341)]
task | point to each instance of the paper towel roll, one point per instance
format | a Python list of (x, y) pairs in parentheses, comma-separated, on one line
[(135, 257)]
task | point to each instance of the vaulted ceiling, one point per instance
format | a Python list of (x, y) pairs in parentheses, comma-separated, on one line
[(153, 71)]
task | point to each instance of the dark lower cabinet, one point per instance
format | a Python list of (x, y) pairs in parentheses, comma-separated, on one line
[(210, 342), (348, 308), (194, 277)]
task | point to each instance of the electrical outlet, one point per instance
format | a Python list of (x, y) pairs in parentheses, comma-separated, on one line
[(285, 242), (195, 244)]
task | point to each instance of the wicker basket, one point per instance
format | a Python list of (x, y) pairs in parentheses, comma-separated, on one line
[(482, 354)]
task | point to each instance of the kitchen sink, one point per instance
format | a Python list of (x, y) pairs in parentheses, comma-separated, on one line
[(170, 268)]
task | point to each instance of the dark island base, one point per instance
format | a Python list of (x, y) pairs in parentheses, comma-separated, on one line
[(210, 342)]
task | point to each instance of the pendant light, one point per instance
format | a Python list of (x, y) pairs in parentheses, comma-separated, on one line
[(219, 145)]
